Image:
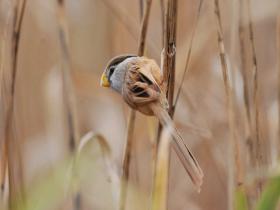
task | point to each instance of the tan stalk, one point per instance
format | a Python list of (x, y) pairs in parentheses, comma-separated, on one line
[(168, 69), (129, 23), (244, 67), (160, 187), (162, 10), (186, 69), (169, 52), (234, 159), (86, 145), (68, 90), (12, 146), (257, 160), (278, 66), (132, 114), (141, 8), (69, 95), (257, 143), (4, 158)]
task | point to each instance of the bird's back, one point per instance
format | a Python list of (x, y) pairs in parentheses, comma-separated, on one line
[(143, 85)]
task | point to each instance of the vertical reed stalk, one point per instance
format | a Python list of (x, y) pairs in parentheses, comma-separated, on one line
[(234, 159), (12, 146), (162, 11), (246, 91), (69, 96), (141, 8), (161, 173), (168, 57), (256, 87), (186, 69), (132, 113), (4, 158), (68, 90), (278, 66), (169, 52), (244, 73), (160, 185), (257, 151)]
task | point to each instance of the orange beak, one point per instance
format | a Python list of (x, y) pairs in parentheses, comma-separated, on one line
[(104, 82)]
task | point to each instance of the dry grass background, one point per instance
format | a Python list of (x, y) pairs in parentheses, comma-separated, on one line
[(101, 29)]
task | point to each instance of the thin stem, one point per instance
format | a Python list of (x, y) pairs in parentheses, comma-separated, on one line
[(257, 150), (168, 58), (162, 9), (141, 8), (132, 113), (68, 90), (16, 185), (233, 148), (244, 72), (4, 158), (69, 96), (168, 68), (130, 24), (144, 27), (186, 69), (169, 52), (278, 66)]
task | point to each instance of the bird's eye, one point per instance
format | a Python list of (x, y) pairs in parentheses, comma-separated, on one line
[(111, 70)]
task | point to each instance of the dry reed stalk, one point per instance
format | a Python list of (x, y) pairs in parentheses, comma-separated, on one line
[(129, 23), (252, 121), (168, 58), (278, 67), (12, 146), (3, 169), (4, 158), (169, 52), (256, 144), (244, 71), (120, 14), (160, 186), (235, 164), (132, 113), (186, 69), (68, 90), (246, 91), (162, 9), (144, 27), (257, 155), (141, 8), (168, 70), (86, 144)]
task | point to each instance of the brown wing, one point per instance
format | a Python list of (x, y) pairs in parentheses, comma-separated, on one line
[(151, 70), (142, 84)]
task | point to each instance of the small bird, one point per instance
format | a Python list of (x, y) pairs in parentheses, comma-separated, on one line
[(140, 82)]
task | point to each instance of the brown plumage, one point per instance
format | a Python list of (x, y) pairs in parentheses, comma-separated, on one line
[(139, 81)]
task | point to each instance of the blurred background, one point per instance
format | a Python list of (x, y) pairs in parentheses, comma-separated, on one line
[(101, 29)]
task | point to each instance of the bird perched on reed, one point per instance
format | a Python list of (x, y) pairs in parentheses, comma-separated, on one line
[(139, 81)]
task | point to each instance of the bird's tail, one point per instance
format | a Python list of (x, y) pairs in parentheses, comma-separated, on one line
[(185, 155)]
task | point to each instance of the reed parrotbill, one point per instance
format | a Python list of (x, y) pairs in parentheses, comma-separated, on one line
[(139, 81)]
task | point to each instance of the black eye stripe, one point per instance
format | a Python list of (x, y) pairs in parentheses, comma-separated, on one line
[(111, 70), (114, 62)]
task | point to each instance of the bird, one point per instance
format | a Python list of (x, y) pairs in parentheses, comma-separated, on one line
[(139, 81)]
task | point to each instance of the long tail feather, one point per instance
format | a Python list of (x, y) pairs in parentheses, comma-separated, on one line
[(185, 155)]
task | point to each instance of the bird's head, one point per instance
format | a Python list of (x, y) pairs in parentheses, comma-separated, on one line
[(110, 69)]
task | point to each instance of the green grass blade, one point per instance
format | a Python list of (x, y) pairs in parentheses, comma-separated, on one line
[(270, 195), (240, 199)]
